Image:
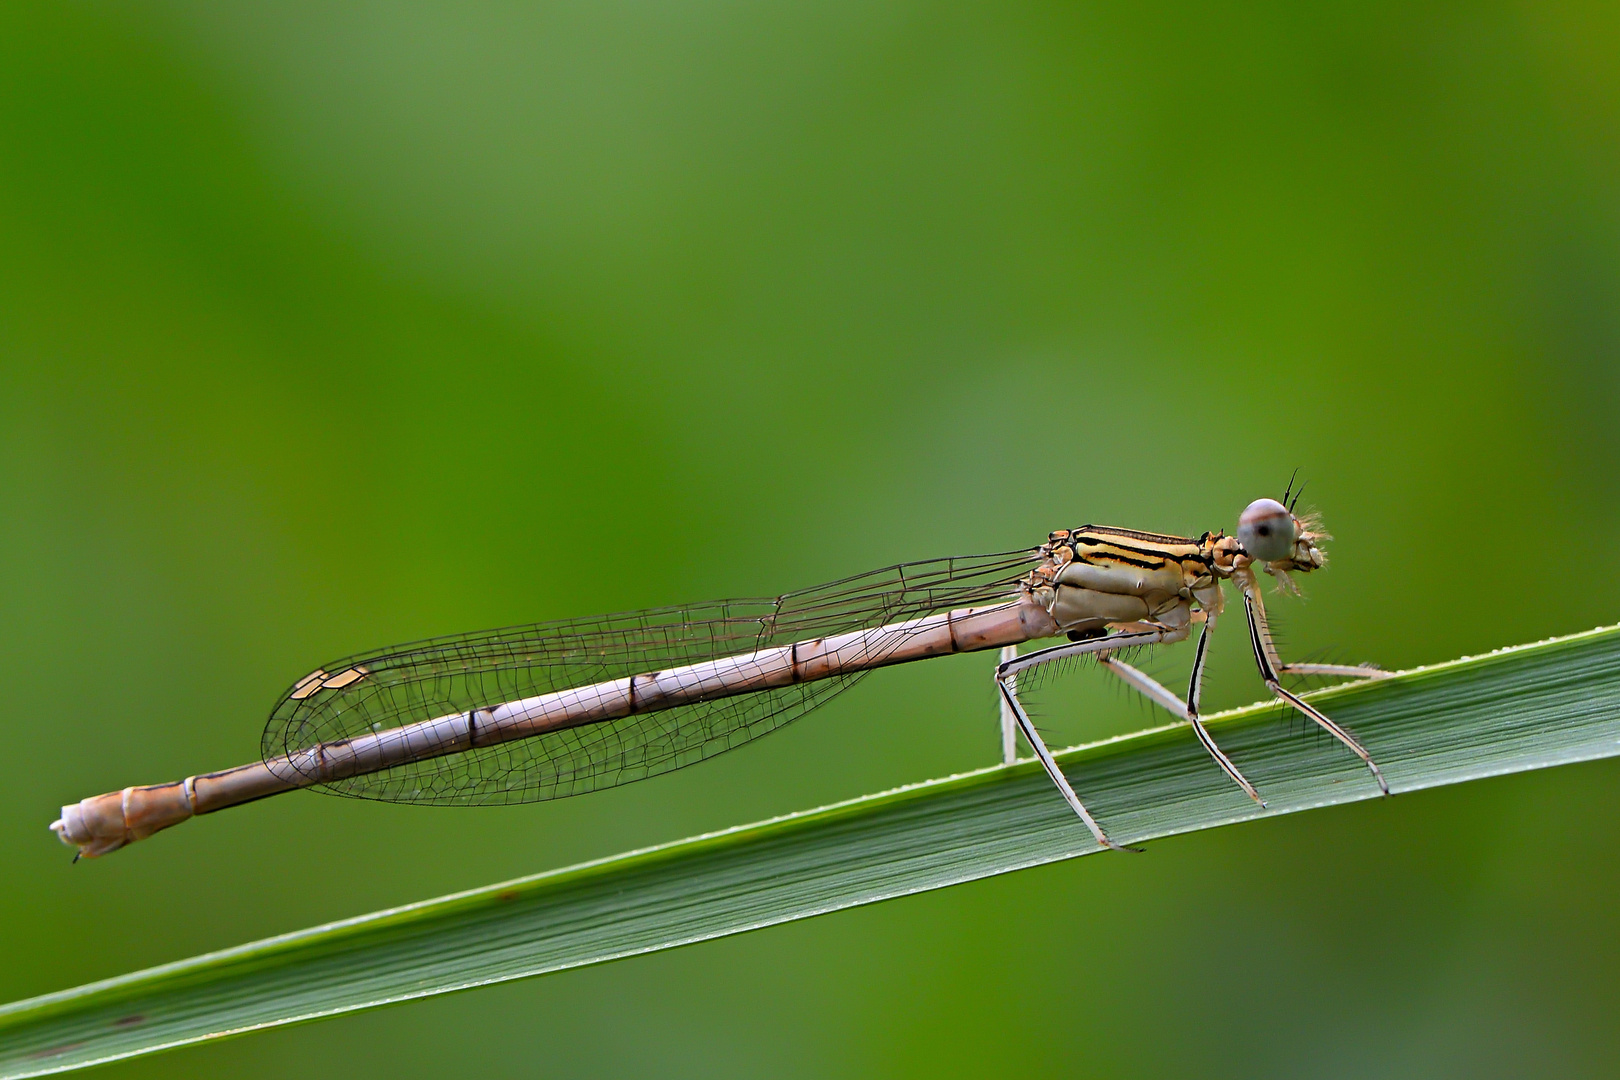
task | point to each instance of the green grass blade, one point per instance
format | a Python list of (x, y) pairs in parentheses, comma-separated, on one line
[(1525, 708)]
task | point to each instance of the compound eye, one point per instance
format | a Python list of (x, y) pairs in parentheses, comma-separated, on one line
[(1267, 531)]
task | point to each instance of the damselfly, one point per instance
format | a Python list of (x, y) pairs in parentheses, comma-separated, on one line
[(556, 709)]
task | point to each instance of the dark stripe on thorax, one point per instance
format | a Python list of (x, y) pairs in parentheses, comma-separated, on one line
[(1132, 534), (1095, 557), (1164, 553)]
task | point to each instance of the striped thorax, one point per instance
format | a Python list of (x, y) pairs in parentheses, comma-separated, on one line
[(1099, 576)]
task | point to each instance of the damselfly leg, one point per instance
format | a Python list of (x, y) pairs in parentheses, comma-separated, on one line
[(1144, 683), (1009, 718), (1007, 681), (1272, 668), (1186, 710)]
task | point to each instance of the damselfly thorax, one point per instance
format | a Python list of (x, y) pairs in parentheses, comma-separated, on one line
[(556, 709), (1097, 577)]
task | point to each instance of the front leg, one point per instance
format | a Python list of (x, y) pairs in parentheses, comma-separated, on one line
[(1263, 643), (1272, 668), (1349, 671)]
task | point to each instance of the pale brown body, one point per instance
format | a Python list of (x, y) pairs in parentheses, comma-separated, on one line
[(1105, 588)]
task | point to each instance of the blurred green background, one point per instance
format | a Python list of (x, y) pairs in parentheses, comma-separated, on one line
[(329, 325)]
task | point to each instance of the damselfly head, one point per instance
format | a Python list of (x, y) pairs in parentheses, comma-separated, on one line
[(1271, 534), (1267, 531)]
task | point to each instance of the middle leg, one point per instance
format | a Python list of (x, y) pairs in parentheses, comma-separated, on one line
[(1187, 710)]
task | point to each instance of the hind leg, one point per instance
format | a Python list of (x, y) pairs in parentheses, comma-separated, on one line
[(1007, 683)]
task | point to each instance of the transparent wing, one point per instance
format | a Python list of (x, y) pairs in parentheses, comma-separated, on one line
[(376, 691)]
